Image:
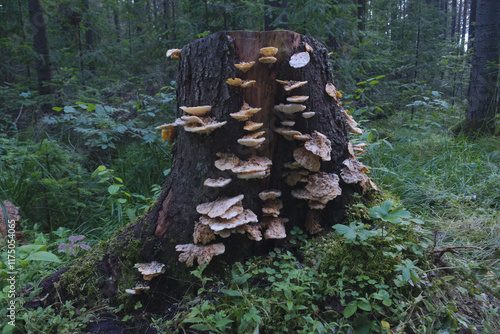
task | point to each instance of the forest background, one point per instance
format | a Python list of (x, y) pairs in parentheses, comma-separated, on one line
[(83, 84)]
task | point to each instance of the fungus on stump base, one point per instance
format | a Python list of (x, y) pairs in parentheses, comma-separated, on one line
[(256, 155)]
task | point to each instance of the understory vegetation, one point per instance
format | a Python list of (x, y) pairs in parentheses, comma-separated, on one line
[(420, 256)]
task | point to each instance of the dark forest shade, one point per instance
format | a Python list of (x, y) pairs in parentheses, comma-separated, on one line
[(481, 107), (41, 46)]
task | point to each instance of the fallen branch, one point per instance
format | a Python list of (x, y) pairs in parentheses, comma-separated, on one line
[(450, 249)]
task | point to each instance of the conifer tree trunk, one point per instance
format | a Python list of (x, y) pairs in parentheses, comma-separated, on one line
[(204, 67), (481, 109), (41, 45)]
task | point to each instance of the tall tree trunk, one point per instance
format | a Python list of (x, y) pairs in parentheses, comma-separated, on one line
[(89, 36), (459, 20), (464, 21), (205, 66), (166, 15), (481, 109), (41, 46), (276, 8), (21, 22), (361, 15), (472, 23), (116, 17), (453, 29)]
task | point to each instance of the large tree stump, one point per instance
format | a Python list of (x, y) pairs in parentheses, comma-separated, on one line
[(205, 65)]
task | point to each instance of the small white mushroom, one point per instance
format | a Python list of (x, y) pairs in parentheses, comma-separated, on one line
[(138, 289), (217, 183), (300, 59), (308, 114)]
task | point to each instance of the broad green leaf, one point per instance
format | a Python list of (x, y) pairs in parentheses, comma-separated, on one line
[(113, 189), (350, 310), (41, 256), (233, 293)]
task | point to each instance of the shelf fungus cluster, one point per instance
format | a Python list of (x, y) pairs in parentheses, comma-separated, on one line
[(148, 271), (313, 186), (268, 55), (254, 168), (355, 172)]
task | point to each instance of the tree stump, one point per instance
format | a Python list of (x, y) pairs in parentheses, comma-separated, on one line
[(323, 175)]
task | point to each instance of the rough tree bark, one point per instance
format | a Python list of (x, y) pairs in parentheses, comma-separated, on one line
[(481, 109), (204, 67)]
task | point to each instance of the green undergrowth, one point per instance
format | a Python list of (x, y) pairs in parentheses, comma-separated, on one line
[(374, 275)]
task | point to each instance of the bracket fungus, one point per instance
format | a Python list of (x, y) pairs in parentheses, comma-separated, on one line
[(268, 51), (275, 228), (227, 161), (252, 140), (288, 85), (269, 194), (333, 92), (308, 114), (319, 145), (268, 60), (204, 125), (196, 111), (202, 234), (252, 126), (355, 172), (174, 53), (297, 98), (289, 108), (293, 177), (203, 254), (219, 206), (237, 82), (351, 123), (288, 123), (219, 224), (168, 132), (287, 132), (217, 183), (254, 168), (308, 48), (244, 66), (312, 222), (320, 189), (307, 159), (272, 207), (245, 112), (138, 289), (300, 59), (150, 270)]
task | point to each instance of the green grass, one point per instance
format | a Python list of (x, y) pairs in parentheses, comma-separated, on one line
[(452, 182)]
